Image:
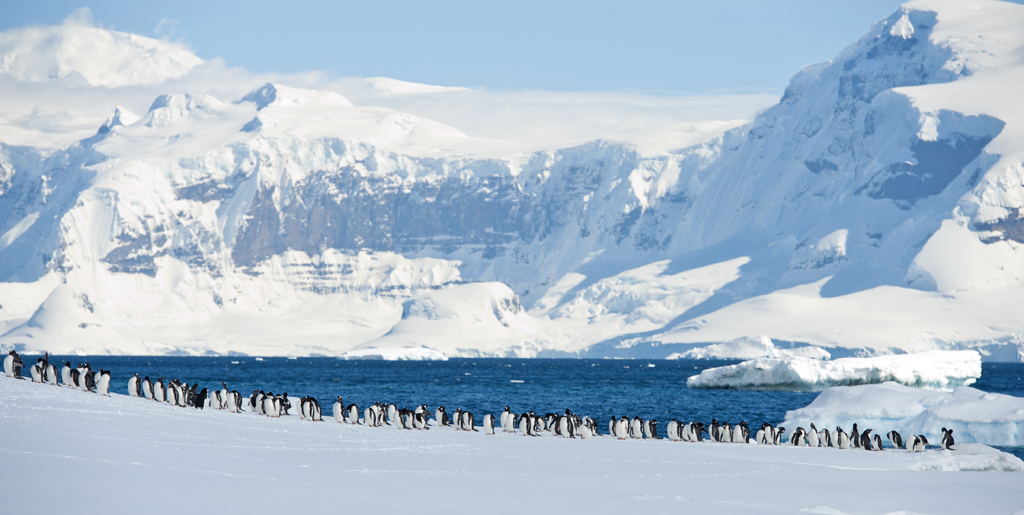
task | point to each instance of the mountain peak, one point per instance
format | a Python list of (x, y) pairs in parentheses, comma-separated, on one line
[(83, 54)]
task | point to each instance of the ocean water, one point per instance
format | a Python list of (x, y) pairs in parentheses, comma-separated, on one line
[(596, 387)]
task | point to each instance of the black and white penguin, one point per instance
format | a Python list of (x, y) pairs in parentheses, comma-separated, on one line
[(50, 374), (89, 379), (236, 401), (13, 364), (947, 439), (441, 416), (316, 415), (506, 419), (611, 425), (855, 436), (468, 422), (201, 398), (842, 440), (134, 386), (778, 435), (159, 390), (812, 436), (651, 429), (714, 430), (636, 429), (103, 383), (338, 409), (740, 433), (797, 438), (36, 371), (865, 440), (672, 430), (826, 438), (489, 424), (370, 416), (765, 435), (876, 443), (622, 428), (895, 439), (147, 388), (65, 374), (353, 413), (918, 444)]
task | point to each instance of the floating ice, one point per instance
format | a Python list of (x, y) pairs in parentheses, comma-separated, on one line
[(973, 415), (396, 354), (939, 370)]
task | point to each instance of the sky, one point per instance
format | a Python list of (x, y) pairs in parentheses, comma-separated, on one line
[(649, 46)]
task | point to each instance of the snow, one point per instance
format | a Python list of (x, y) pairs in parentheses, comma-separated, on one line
[(940, 370), (169, 459), (973, 415), (878, 210)]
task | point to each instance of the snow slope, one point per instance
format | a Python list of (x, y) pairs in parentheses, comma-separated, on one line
[(172, 459), (939, 370), (973, 415), (875, 208)]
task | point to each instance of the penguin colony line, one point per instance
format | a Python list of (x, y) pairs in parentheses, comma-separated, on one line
[(566, 425)]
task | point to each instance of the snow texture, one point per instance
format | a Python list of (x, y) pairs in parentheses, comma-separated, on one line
[(973, 415), (937, 370), (170, 459), (880, 210), (750, 348)]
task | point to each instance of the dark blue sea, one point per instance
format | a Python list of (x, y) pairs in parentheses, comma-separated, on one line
[(596, 387)]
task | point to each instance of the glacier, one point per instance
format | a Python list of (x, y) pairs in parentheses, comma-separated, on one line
[(937, 370), (875, 209), (973, 415)]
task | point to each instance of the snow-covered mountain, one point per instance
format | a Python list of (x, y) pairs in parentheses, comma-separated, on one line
[(876, 208)]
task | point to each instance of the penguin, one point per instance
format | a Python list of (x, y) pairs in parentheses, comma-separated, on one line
[(338, 409), (876, 442), (441, 416), (353, 414), (672, 430), (315, 412), (622, 428), (842, 441), (585, 432), (134, 386), (50, 374), (715, 436), (895, 439), (103, 383), (235, 400), (765, 435), (65, 374), (468, 423), (90, 380), (737, 433), (651, 429), (611, 426), (919, 444), (201, 398), (13, 364), (506, 420), (147, 387), (369, 418), (947, 439), (855, 436), (419, 420), (76, 376), (826, 438), (224, 396), (636, 428), (812, 436), (489, 424), (778, 435), (286, 404), (797, 438), (172, 393), (726, 433), (36, 371), (159, 392), (865, 440)]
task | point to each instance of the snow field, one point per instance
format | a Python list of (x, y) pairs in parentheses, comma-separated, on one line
[(128, 453)]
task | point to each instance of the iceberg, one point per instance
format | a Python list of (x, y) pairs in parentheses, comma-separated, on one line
[(973, 415), (937, 370), (396, 354)]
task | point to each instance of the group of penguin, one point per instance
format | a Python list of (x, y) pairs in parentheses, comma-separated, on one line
[(82, 377), (566, 425)]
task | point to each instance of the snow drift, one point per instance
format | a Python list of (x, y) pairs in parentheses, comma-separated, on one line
[(973, 415), (939, 370)]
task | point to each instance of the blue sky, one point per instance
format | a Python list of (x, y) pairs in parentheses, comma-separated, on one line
[(654, 46)]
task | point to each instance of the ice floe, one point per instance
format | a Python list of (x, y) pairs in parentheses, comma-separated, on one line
[(938, 370)]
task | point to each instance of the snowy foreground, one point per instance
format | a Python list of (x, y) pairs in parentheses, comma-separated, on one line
[(66, 447), (973, 415), (937, 370)]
